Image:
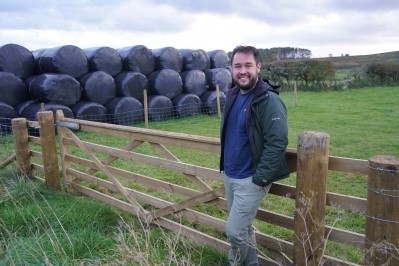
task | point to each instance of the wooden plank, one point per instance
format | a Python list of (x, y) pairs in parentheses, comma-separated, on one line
[(36, 154), (163, 150), (331, 261), (156, 161), (348, 165), (38, 167), (110, 159), (275, 218), (345, 237), (280, 258), (33, 124), (291, 158), (274, 243), (199, 182), (8, 160), (125, 206), (335, 163), (286, 191), (345, 202), (202, 198), (33, 139), (149, 181), (150, 135), (331, 233)]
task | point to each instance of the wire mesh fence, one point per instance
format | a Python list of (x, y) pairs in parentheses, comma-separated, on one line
[(138, 117)]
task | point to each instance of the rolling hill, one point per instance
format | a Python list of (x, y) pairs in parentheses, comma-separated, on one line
[(353, 62)]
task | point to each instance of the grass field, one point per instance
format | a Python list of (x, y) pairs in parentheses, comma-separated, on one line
[(39, 226)]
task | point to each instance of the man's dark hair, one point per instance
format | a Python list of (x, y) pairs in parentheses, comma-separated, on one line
[(247, 50)]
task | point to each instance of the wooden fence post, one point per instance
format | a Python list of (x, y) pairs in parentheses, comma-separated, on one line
[(21, 146), (145, 101), (382, 217), (49, 149), (311, 189), (218, 101)]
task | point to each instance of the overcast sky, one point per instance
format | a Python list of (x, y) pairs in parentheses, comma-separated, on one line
[(354, 27)]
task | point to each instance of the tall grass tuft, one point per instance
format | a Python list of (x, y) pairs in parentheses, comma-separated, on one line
[(39, 226)]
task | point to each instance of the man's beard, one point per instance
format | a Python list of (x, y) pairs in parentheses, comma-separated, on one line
[(250, 85)]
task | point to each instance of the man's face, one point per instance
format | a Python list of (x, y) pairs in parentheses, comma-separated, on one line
[(245, 71)]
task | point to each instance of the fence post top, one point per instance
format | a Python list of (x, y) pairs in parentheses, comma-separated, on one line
[(385, 160), (44, 112), (18, 119), (314, 134)]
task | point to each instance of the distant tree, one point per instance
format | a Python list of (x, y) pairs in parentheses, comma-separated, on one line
[(383, 72), (309, 71)]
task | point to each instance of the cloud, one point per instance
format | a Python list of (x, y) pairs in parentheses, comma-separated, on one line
[(322, 26)]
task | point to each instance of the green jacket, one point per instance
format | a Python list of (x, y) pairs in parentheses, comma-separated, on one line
[(268, 133)]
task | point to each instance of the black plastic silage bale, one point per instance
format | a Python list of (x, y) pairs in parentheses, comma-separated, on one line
[(187, 105), (21, 106), (104, 58), (219, 59), (98, 86), (13, 90), (137, 58), (168, 58), (195, 59), (125, 111), (17, 59), (89, 111), (7, 112), (57, 88), (67, 59), (36, 55), (194, 81), (207, 58), (131, 84), (30, 112), (220, 76), (166, 82), (159, 108), (209, 100)]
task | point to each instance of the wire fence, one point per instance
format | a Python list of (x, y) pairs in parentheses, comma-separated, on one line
[(133, 118)]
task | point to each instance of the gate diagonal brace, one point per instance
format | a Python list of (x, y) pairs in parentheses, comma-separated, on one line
[(110, 159), (205, 197), (140, 211)]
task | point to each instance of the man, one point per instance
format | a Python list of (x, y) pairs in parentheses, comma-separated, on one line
[(253, 143)]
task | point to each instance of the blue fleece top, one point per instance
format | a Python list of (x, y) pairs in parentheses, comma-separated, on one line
[(237, 150)]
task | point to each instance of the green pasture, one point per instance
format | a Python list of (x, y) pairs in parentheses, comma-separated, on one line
[(43, 227)]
